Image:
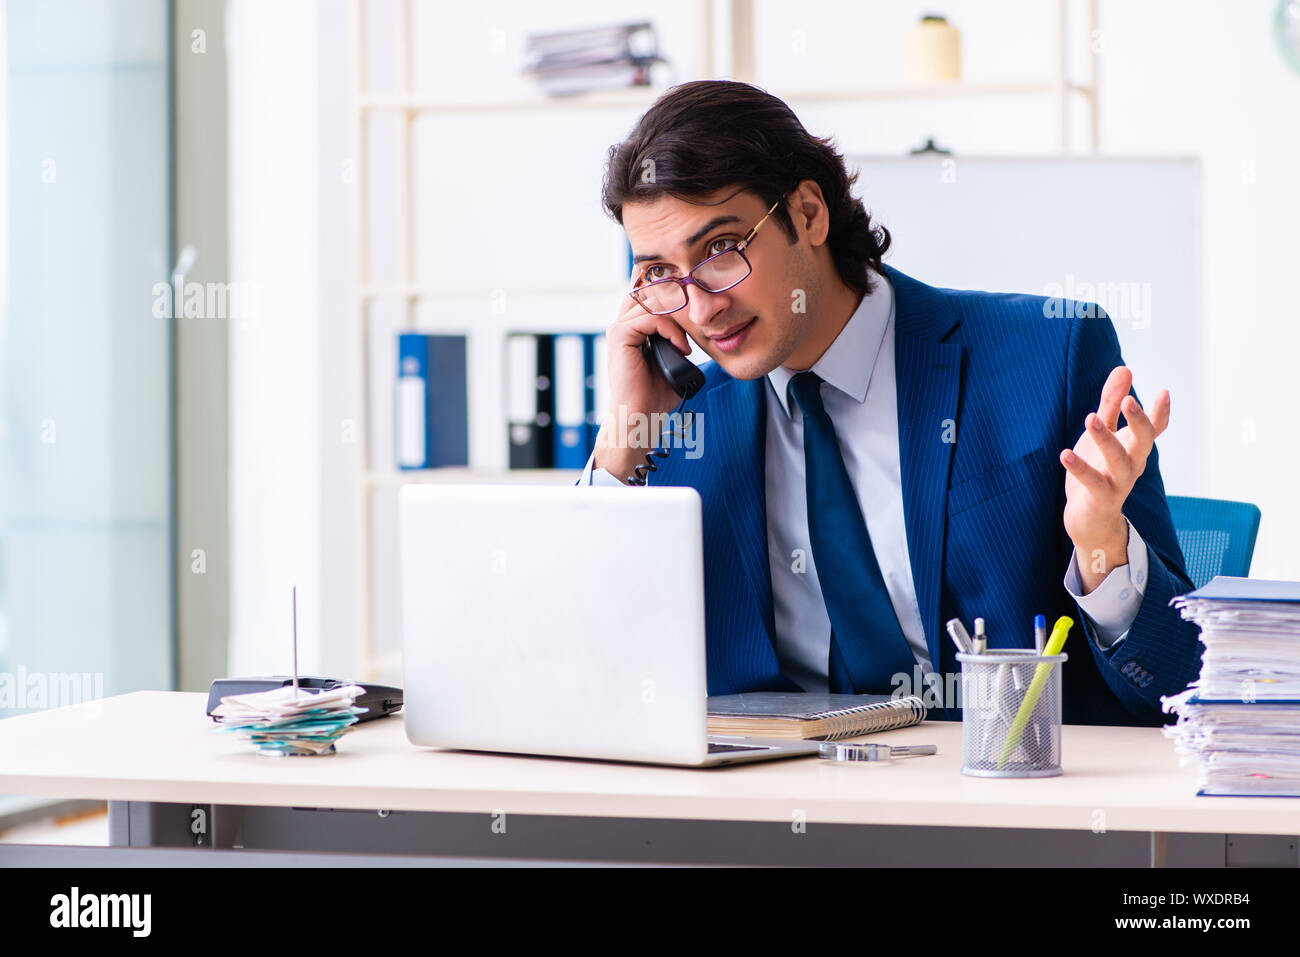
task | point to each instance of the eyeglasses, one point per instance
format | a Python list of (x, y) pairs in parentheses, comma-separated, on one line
[(718, 273)]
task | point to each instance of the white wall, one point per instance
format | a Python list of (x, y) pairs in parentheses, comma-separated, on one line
[(1205, 78), (275, 408), (339, 458)]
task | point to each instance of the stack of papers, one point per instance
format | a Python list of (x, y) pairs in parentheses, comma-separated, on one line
[(285, 721), (1238, 748), (1239, 722), (598, 58)]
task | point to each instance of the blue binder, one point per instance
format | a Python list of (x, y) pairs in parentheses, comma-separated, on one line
[(431, 404), (570, 436), (1228, 588), (593, 356)]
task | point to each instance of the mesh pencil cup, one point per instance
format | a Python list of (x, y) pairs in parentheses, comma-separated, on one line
[(1011, 714)]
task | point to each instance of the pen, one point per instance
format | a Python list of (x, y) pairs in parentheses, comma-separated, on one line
[(1000, 684), (960, 638), (1040, 634), (981, 643), (1054, 644), (295, 642)]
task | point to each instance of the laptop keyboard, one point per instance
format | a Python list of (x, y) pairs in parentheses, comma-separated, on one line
[(716, 748)]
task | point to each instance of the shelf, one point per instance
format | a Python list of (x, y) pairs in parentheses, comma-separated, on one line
[(601, 99), (519, 321), (400, 291), (934, 91), (462, 476), (641, 97)]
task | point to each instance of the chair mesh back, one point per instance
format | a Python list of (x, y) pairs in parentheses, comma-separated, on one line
[(1203, 551), (1217, 537)]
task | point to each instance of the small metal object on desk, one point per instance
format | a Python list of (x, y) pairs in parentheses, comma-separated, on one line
[(842, 751)]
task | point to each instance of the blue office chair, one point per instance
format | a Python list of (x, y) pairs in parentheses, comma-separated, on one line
[(1217, 537)]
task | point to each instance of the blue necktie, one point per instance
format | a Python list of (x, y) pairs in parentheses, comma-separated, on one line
[(867, 645)]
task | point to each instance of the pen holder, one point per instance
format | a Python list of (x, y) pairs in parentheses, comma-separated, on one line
[(1011, 714)]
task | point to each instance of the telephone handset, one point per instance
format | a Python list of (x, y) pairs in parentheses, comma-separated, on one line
[(682, 374), (685, 378)]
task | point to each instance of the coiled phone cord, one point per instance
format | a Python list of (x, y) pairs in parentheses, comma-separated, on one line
[(641, 472)]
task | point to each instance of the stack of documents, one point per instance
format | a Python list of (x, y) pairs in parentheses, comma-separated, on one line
[(600, 58), (1239, 722), (291, 721)]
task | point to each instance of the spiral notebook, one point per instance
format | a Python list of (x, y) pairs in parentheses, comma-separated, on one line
[(781, 714)]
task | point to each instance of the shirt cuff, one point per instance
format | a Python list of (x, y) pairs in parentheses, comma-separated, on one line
[(1113, 605), (592, 476)]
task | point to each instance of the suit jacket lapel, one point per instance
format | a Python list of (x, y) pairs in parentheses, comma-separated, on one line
[(928, 376)]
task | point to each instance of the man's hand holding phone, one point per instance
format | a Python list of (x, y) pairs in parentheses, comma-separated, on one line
[(637, 390)]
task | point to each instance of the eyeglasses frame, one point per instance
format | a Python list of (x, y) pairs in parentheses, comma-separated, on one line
[(689, 278)]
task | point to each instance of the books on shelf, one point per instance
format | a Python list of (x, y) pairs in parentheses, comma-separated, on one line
[(430, 404), (555, 394), (1239, 721)]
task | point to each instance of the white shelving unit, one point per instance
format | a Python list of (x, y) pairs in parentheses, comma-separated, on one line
[(486, 340)]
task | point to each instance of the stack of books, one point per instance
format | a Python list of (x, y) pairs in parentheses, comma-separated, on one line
[(1239, 722), (601, 58)]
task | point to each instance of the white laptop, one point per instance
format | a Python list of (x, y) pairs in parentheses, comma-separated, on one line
[(558, 620)]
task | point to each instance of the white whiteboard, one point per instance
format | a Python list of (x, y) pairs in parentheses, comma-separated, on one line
[(1125, 233)]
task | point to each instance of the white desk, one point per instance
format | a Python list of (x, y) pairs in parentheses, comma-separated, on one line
[(154, 757)]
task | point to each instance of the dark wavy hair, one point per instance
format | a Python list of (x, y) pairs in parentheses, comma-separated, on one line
[(710, 134)]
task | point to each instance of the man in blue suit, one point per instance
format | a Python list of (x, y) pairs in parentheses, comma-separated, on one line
[(876, 456)]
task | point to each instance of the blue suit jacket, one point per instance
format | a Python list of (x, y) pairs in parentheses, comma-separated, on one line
[(983, 513)]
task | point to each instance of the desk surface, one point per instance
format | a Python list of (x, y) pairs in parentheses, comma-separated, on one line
[(159, 746)]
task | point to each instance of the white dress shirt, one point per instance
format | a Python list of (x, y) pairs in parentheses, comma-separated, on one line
[(861, 397)]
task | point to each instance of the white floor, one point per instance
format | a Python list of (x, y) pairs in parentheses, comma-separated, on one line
[(90, 829)]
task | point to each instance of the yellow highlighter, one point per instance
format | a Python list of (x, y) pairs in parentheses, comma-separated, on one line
[(1054, 645)]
